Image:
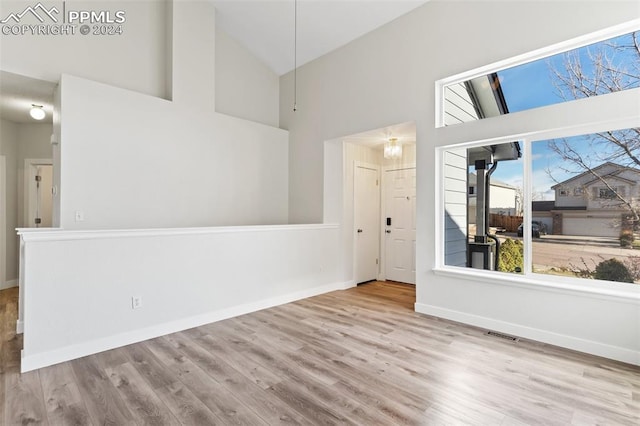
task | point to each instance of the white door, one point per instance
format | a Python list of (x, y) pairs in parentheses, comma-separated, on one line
[(41, 196), (400, 225), (366, 200)]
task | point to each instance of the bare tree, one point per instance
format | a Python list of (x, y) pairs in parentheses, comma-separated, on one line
[(608, 68)]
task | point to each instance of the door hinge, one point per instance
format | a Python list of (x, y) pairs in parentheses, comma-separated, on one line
[(376, 261), (38, 178), (376, 182), (38, 221)]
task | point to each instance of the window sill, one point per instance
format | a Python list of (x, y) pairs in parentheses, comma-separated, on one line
[(595, 289)]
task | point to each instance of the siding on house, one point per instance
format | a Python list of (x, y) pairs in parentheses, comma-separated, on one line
[(455, 202), (458, 106)]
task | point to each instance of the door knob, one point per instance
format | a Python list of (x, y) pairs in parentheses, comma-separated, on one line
[(359, 231)]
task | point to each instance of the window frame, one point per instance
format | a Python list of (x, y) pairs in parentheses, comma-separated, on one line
[(542, 53), (613, 111), (528, 276)]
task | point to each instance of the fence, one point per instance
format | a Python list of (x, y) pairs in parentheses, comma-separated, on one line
[(509, 223)]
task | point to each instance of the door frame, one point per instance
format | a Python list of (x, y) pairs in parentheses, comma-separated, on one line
[(30, 165), (377, 168), (383, 213)]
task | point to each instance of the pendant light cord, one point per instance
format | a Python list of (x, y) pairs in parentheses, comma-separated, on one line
[(295, 55)]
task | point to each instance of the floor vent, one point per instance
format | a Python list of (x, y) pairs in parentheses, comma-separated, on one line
[(502, 336)]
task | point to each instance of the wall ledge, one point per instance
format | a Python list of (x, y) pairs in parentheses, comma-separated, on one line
[(59, 234), (627, 293)]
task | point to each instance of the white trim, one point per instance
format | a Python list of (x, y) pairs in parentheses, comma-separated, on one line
[(29, 189), (59, 234), (8, 284), (3, 221), (626, 293), (19, 327), (564, 46), (74, 351), (549, 337)]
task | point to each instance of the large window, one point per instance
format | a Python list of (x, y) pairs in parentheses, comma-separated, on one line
[(576, 213), (556, 202)]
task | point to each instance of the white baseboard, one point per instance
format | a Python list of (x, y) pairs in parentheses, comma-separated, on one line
[(19, 327), (44, 359), (8, 284), (582, 345)]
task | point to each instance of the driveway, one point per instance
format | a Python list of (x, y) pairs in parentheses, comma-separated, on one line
[(565, 251)]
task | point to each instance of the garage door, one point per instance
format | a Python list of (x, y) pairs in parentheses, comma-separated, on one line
[(593, 227)]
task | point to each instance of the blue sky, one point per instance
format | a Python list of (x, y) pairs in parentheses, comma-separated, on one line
[(530, 86)]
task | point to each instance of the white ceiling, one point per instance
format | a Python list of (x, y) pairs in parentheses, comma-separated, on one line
[(266, 27), (404, 132), (19, 93)]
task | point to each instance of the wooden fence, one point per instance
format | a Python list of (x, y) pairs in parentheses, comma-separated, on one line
[(509, 223)]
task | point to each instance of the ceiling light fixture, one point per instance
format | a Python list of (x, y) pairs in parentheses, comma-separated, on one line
[(392, 149), (37, 112), (295, 55)]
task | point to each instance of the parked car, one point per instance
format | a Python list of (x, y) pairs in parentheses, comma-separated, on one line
[(537, 228)]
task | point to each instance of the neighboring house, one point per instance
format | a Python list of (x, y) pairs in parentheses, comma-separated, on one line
[(587, 205), (541, 212), (503, 198)]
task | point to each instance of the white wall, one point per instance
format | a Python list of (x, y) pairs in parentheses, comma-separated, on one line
[(132, 161), (9, 141), (92, 276), (245, 86), (503, 198), (135, 161), (134, 60), (360, 92)]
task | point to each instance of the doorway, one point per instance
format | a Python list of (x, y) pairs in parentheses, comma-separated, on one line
[(366, 206), (38, 193)]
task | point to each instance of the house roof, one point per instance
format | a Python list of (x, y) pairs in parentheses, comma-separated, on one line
[(542, 206), (494, 182), (618, 169)]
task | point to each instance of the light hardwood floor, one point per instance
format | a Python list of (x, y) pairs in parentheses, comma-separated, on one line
[(360, 356)]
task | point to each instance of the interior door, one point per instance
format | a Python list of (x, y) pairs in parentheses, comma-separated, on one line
[(366, 223), (400, 229)]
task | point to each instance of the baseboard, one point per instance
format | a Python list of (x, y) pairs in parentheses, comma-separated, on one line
[(582, 345), (8, 284), (19, 327), (44, 359)]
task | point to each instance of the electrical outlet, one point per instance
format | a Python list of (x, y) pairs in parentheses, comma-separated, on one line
[(79, 216), (136, 302)]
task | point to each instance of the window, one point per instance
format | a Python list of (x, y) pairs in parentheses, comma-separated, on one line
[(600, 68), (566, 236), (471, 190), (607, 193), (577, 179)]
